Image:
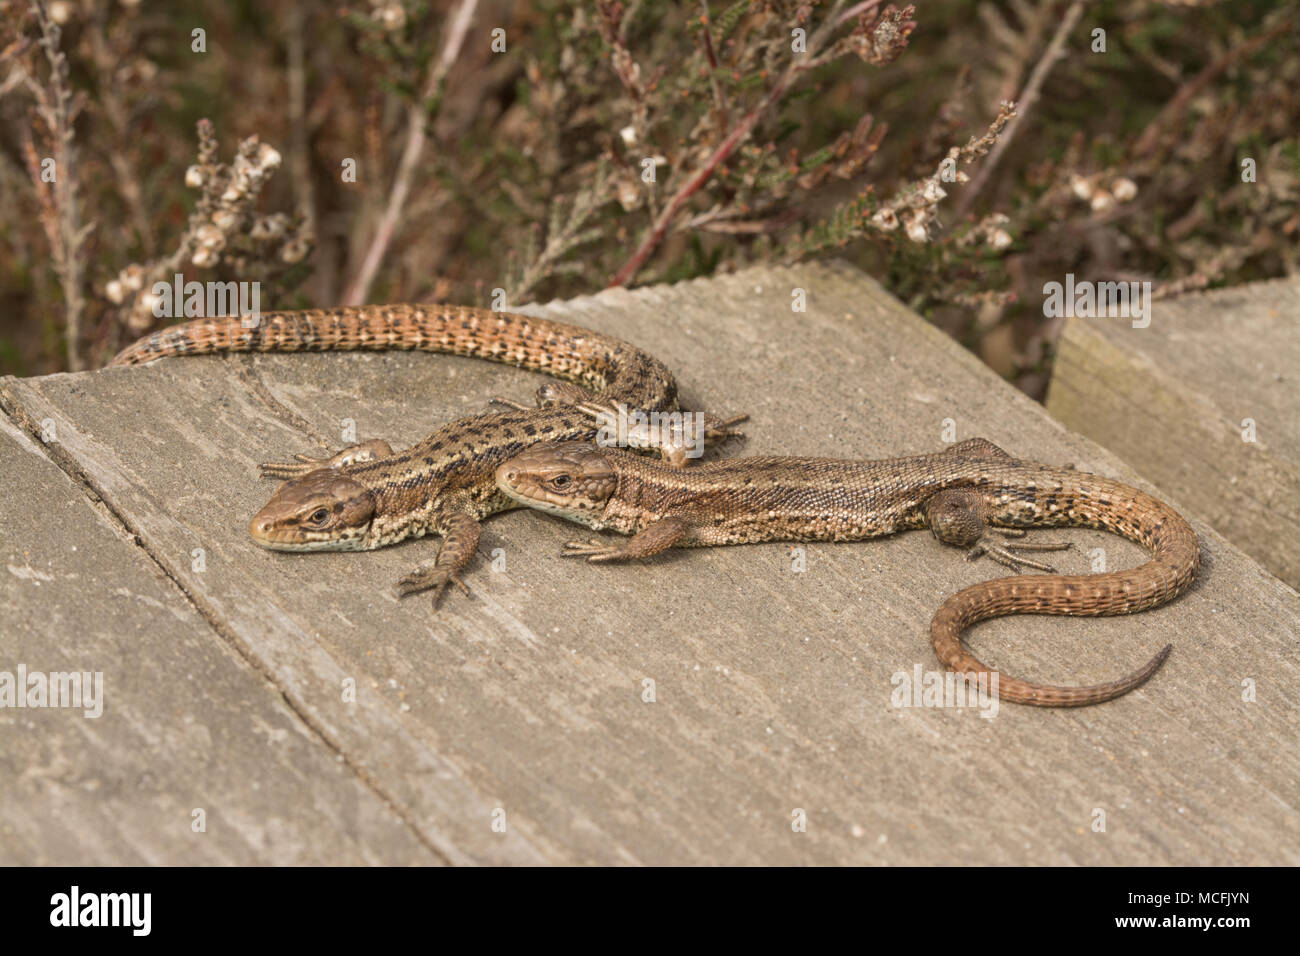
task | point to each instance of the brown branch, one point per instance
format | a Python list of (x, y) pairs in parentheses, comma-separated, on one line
[(854, 11), (818, 52), (663, 222), (417, 120), (1175, 108), (1033, 88), (719, 101), (665, 218), (119, 118), (67, 234)]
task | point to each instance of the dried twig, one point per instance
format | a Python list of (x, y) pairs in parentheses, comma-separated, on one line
[(1024, 105), (1182, 99), (706, 40), (416, 126), (663, 222), (298, 156), (119, 115), (57, 109)]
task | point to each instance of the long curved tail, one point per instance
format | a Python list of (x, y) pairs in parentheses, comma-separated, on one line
[(1093, 502), (600, 362)]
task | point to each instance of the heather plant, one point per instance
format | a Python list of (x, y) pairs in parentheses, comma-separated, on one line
[(489, 152)]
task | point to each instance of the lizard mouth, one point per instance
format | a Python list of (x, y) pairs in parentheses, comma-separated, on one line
[(293, 539), (321, 511)]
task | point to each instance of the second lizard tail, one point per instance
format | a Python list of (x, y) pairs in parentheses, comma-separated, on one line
[(1089, 501)]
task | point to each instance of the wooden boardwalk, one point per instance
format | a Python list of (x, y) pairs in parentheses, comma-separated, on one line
[(1205, 403), (277, 708)]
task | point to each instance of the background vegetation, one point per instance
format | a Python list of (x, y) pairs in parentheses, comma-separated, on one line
[(524, 168)]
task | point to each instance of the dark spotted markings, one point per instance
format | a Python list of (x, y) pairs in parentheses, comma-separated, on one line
[(443, 484), (960, 494)]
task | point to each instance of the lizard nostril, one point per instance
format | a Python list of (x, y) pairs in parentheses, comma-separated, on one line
[(510, 476)]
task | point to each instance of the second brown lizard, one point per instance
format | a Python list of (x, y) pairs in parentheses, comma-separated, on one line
[(367, 496), (961, 494)]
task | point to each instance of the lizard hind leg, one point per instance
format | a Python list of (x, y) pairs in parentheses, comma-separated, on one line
[(674, 440), (654, 538), (959, 517), (304, 464)]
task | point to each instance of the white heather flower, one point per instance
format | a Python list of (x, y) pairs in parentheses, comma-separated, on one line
[(142, 315), (391, 16), (932, 191), (194, 177), (629, 135), (1000, 239), (115, 292), (268, 157), (209, 236), (204, 256), (224, 219), (916, 230), (628, 196), (232, 193), (886, 220), (266, 227), (1124, 189), (1101, 201), (1081, 187), (60, 12), (294, 250)]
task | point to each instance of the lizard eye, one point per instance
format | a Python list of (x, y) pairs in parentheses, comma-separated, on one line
[(561, 481), (318, 516)]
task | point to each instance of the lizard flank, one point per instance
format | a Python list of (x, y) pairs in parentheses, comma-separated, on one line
[(961, 495)]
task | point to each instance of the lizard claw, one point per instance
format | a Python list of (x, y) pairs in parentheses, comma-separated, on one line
[(302, 465), (434, 579), (305, 464), (510, 403), (720, 428), (593, 550), (1016, 562)]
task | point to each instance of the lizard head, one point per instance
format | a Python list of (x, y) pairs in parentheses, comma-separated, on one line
[(571, 479), (321, 511)]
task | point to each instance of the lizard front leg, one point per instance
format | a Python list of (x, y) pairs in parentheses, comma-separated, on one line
[(365, 451), (959, 516), (460, 533), (651, 540)]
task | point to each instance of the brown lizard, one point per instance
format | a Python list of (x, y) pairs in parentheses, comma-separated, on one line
[(367, 496), (961, 494)]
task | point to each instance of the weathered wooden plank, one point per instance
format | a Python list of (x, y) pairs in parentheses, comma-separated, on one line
[(773, 688), (1203, 402), (183, 723)]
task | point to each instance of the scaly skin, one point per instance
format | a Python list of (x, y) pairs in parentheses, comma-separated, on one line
[(367, 496), (960, 494)]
